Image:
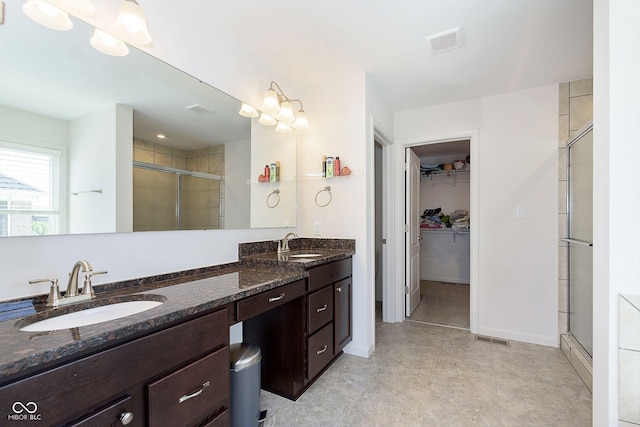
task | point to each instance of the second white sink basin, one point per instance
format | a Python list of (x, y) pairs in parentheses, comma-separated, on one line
[(90, 316), (305, 255)]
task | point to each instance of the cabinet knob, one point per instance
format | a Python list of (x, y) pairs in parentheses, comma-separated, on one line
[(339, 289), (126, 418)]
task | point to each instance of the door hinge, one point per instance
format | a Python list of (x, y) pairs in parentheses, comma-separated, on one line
[(406, 290), (406, 228)]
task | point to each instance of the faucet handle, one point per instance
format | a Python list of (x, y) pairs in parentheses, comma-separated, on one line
[(87, 289), (54, 292)]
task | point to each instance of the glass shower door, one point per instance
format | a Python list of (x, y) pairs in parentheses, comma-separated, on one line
[(580, 241)]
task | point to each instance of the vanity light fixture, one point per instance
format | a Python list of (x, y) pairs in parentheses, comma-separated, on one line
[(108, 44), (45, 14), (247, 110), (278, 108), (131, 23)]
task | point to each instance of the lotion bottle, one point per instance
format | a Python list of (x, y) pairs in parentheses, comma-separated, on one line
[(329, 167)]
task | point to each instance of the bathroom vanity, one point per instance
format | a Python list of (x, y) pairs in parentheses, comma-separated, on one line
[(170, 365)]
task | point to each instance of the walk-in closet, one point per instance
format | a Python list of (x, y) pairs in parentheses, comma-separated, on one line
[(444, 233)]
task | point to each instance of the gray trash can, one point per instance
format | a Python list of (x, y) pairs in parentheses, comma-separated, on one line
[(245, 384)]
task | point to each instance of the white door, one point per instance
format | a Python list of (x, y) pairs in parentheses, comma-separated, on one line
[(412, 231)]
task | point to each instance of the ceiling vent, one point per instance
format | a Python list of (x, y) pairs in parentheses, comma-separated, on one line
[(444, 41), (197, 108)]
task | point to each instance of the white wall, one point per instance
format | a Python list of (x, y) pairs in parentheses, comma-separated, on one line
[(517, 165), (616, 132), (337, 129), (97, 143)]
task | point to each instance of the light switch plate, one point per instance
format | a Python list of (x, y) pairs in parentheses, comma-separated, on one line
[(316, 228), (521, 212)]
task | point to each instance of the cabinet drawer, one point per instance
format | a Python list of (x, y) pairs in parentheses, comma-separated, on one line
[(222, 420), (253, 306), (192, 392), (329, 273), (319, 309), (109, 415), (320, 350)]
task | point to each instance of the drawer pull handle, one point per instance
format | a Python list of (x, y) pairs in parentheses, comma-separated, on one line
[(321, 309), (339, 289), (192, 395), (278, 298), (322, 350)]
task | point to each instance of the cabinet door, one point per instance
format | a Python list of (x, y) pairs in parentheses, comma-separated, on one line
[(342, 314)]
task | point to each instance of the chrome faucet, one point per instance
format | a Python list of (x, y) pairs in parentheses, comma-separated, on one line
[(72, 286), (72, 295), (285, 242)]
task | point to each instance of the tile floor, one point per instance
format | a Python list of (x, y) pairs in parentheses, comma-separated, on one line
[(425, 375), (443, 303)]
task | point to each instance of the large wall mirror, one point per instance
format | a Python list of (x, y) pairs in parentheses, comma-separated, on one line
[(80, 150)]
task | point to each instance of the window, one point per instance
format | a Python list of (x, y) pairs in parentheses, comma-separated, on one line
[(29, 190)]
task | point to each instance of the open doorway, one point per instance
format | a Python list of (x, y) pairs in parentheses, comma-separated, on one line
[(443, 221)]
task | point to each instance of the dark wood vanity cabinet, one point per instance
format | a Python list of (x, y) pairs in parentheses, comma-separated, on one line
[(300, 338), (177, 376)]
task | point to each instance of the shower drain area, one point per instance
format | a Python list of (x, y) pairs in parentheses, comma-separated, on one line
[(492, 340)]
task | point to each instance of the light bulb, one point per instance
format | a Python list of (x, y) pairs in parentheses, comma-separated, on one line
[(301, 122), (45, 14), (131, 23), (283, 128), (266, 120), (247, 110), (270, 103), (108, 44), (286, 112)]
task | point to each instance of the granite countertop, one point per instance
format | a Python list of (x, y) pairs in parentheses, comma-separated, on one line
[(185, 294)]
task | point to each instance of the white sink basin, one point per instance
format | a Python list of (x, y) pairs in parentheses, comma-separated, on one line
[(305, 255), (90, 316)]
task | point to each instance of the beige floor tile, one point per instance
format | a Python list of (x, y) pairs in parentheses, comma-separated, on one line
[(426, 375)]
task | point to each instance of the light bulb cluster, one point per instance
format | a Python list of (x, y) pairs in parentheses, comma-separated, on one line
[(277, 110), (130, 24)]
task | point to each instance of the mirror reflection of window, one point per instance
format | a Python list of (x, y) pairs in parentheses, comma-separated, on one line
[(29, 190)]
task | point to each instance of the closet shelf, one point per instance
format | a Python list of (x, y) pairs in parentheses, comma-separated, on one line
[(452, 172), (443, 231), (451, 177)]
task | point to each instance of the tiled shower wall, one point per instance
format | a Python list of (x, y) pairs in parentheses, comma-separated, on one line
[(575, 110), (154, 199)]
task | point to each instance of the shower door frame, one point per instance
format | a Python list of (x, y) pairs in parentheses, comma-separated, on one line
[(576, 242)]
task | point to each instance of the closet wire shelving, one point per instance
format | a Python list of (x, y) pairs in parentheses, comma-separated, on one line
[(449, 177)]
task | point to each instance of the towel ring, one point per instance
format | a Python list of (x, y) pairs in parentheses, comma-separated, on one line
[(328, 190), (276, 199)]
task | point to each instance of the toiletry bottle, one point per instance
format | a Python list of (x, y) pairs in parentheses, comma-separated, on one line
[(266, 173), (272, 173), (324, 166), (329, 167), (336, 166), (278, 170)]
